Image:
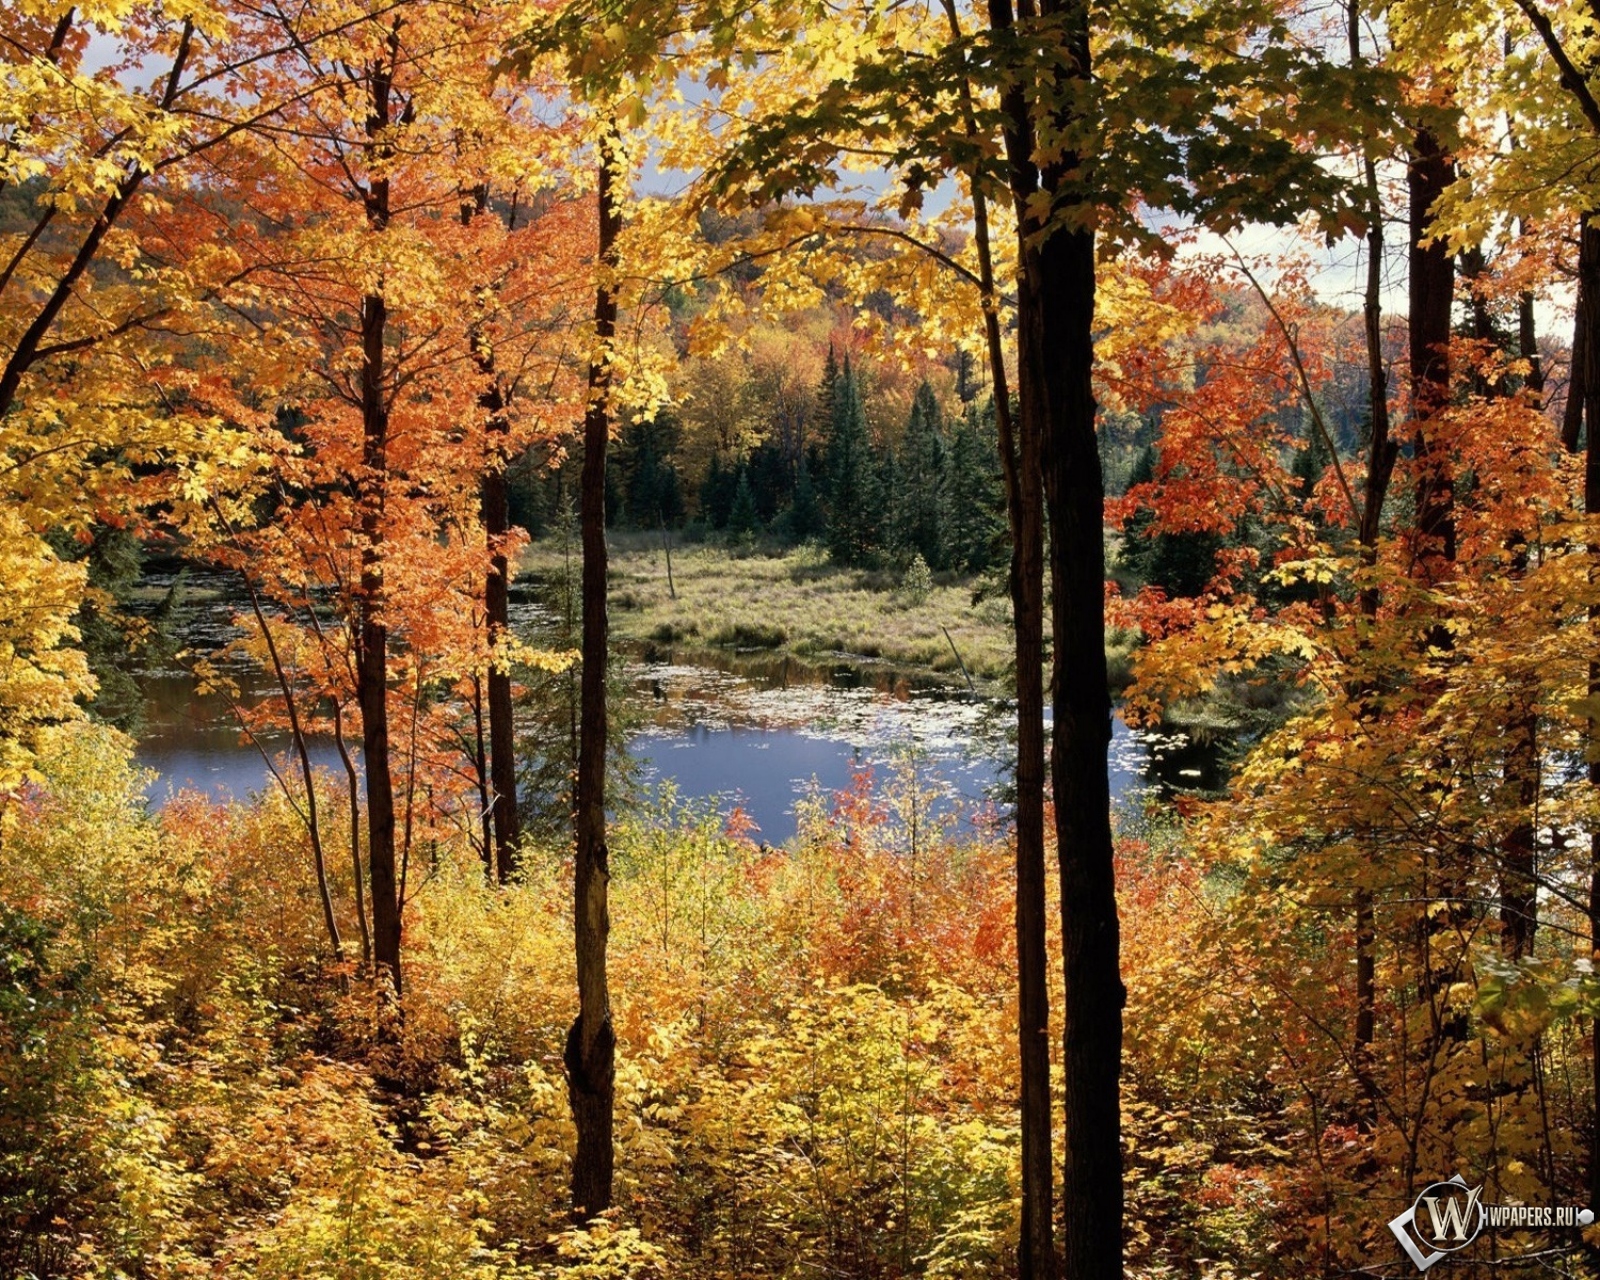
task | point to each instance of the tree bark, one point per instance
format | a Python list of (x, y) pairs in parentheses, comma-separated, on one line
[(480, 777), (1055, 360), (354, 796), (496, 514), (591, 1044), (1057, 349), (1382, 451), (372, 666), (1519, 898), (494, 510), (1092, 1010), (308, 776), (1021, 464), (1589, 315), (1577, 376), (1432, 292)]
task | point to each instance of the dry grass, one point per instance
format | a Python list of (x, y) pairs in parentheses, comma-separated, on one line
[(799, 601)]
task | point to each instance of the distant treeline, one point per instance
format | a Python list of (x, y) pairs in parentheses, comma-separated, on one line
[(936, 492)]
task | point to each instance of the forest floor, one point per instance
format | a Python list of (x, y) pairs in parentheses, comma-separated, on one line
[(796, 601)]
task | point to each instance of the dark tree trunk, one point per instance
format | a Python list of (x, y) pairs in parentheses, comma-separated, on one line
[(1519, 900), (494, 508), (591, 1045), (1382, 451), (308, 775), (1528, 347), (1060, 350), (1589, 323), (1577, 375), (1033, 992), (480, 776), (353, 794), (372, 666), (1091, 1184), (1431, 295), (1055, 360), (496, 511), (1432, 292), (1020, 449)]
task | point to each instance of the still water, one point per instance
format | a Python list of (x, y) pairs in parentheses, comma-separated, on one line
[(756, 731)]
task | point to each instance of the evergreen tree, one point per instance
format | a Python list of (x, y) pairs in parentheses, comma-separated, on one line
[(743, 520), (922, 463), (828, 388), (851, 475), (717, 493), (973, 524), (1137, 551), (826, 408), (804, 519), (966, 381), (652, 489), (886, 519), (771, 480), (1310, 464)]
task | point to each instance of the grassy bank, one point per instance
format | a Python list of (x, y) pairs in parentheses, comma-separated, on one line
[(796, 600)]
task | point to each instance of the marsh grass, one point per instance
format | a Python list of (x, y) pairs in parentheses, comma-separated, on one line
[(798, 600)]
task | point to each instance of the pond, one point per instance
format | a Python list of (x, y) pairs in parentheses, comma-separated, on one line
[(759, 731)]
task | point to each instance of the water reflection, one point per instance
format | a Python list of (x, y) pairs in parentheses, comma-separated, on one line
[(754, 729)]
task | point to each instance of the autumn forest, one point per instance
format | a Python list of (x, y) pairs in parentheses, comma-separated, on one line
[(1183, 415)]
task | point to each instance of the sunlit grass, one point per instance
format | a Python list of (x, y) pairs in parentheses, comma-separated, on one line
[(797, 600)]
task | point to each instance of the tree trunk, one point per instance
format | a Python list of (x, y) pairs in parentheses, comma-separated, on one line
[(1589, 315), (1092, 1010), (1382, 451), (1577, 373), (496, 510), (1056, 355), (308, 776), (1519, 898), (591, 1044), (354, 795), (1020, 449), (1432, 292), (1055, 359), (1033, 992), (480, 777), (372, 666), (1431, 295)]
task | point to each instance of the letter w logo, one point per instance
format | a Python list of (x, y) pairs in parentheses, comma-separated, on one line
[(1456, 1219)]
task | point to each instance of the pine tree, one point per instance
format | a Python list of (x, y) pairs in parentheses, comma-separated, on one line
[(826, 416), (1137, 551), (886, 509), (970, 496), (717, 493), (922, 464), (851, 475), (805, 519), (1310, 464), (743, 520)]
